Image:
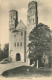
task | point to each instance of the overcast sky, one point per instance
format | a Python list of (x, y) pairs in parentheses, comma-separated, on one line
[(44, 14)]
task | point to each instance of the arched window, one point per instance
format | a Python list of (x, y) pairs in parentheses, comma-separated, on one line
[(20, 43), (33, 20), (14, 44), (17, 44), (21, 33)]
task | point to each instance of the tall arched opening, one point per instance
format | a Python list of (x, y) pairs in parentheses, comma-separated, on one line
[(18, 57)]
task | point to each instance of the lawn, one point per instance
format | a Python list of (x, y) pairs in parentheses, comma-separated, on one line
[(26, 71)]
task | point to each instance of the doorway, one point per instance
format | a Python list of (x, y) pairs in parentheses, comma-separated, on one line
[(18, 57)]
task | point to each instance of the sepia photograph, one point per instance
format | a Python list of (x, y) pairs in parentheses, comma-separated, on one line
[(25, 39)]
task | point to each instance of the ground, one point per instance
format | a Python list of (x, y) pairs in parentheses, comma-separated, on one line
[(25, 71)]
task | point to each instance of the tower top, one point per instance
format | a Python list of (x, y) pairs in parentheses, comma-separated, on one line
[(32, 13), (32, 4), (13, 10)]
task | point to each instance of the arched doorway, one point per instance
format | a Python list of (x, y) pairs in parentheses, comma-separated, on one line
[(17, 57)]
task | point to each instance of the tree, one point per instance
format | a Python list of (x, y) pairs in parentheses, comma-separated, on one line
[(40, 39), (1, 54), (6, 50), (4, 53)]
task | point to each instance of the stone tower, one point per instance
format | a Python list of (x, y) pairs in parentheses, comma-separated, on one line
[(32, 17), (32, 14), (32, 21), (13, 19), (17, 38)]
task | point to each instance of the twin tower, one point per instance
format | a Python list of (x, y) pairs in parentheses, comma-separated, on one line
[(32, 16), (19, 33)]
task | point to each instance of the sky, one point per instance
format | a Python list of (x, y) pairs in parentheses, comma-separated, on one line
[(44, 14)]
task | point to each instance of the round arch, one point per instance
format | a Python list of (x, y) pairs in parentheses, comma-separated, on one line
[(18, 57)]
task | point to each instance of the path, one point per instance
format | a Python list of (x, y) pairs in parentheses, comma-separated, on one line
[(4, 67)]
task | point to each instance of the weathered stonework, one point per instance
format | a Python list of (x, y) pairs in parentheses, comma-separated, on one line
[(19, 33)]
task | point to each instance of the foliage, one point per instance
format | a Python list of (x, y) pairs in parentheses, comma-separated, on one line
[(1, 54), (4, 52), (40, 39)]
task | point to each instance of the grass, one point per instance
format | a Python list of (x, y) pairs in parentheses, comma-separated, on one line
[(32, 72)]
